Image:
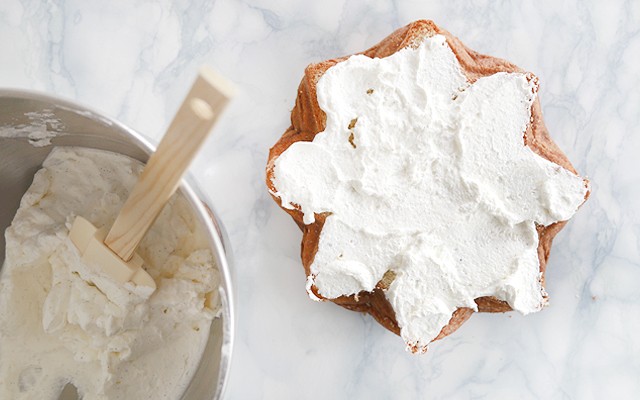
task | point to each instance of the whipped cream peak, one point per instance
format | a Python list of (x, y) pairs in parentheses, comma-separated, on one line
[(426, 175)]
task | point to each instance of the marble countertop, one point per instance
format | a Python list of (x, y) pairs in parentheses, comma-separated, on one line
[(135, 62)]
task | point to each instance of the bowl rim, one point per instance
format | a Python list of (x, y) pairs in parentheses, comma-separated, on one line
[(218, 238)]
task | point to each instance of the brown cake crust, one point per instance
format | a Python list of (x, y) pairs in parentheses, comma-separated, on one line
[(307, 119)]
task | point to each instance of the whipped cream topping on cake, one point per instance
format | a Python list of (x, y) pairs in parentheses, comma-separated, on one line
[(426, 175)]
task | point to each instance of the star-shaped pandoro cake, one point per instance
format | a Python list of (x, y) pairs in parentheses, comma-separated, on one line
[(425, 183)]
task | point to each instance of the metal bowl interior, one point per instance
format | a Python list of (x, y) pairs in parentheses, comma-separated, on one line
[(67, 124)]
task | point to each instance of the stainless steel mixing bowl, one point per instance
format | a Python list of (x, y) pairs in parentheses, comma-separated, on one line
[(23, 113)]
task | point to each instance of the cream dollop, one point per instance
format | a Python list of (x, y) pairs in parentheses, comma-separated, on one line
[(426, 175), (57, 325)]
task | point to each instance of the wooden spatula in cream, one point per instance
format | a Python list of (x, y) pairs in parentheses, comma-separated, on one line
[(114, 251)]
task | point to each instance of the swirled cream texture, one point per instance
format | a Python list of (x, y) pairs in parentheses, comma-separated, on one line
[(426, 175), (62, 321)]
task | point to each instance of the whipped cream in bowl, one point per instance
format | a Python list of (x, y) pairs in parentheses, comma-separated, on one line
[(425, 177), (60, 321)]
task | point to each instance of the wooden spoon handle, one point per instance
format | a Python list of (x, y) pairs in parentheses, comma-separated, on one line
[(161, 176)]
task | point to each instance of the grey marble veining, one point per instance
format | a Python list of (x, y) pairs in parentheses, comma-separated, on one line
[(135, 61)]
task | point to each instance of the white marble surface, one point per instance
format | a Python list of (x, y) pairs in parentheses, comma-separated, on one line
[(135, 60)]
